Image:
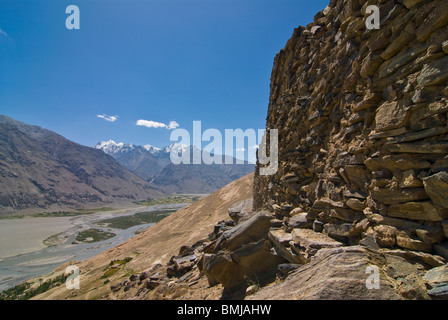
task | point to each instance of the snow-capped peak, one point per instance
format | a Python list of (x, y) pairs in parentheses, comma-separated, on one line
[(151, 148), (111, 147)]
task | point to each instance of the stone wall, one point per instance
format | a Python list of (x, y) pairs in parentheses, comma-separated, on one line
[(362, 122)]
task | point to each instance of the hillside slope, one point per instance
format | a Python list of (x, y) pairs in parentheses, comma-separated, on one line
[(154, 246)]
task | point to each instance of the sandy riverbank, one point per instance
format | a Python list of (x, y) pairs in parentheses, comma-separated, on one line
[(19, 236)]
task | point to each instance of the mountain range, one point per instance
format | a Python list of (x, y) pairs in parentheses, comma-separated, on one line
[(154, 165), (41, 170)]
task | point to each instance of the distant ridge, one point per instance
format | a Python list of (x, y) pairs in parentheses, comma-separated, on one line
[(154, 165), (42, 170)]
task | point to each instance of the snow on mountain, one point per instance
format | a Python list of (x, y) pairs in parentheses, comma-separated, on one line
[(151, 148), (112, 148)]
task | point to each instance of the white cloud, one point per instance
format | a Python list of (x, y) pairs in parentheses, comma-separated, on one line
[(240, 149), (3, 33), (153, 124), (108, 118)]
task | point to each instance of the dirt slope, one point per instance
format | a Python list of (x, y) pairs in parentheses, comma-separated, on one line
[(155, 245)]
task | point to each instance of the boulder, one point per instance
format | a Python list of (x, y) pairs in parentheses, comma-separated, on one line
[(281, 242), (334, 274), (253, 229), (220, 268), (437, 280), (307, 242), (241, 210), (257, 259)]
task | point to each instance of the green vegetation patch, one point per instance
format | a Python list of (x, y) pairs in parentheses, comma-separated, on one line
[(93, 235), (76, 212), (113, 267), (125, 222), (24, 291), (174, 198)]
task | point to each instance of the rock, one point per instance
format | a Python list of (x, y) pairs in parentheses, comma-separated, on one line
[(419, 135), (396, 162), (339, 231), (419, 116), (405, 241), (442, 249), (318, 226), (411, 3), (299, 221), (436, 186), (281, 242), (435, 20), (355, 204), (251, 290), (241, 210), (385, 236), (390, 115), (420, 147), (410, 180), (334, 274), (437, 279), (431, 235), (445, 227), (255, 228), (307, 242), (152, 284), (369, 65), (445, 46), (256, 259), (323, 204), (398, 43), (434, 73), (440, 165), (296, 211), (220, 268), (370, 242), (389, 67), (286, 268), (357, 175), (388, 196), (417, 211)]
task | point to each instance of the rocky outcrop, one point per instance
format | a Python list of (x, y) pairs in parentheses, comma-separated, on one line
[(358, 206), (361, 116)]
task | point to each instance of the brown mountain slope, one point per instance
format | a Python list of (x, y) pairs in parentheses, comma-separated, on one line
[(41, 170), (156, 245)]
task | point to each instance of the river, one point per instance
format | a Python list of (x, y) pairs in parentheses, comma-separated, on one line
[(25, 256)]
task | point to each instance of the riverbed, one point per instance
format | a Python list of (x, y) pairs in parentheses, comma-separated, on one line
[(24, 254)]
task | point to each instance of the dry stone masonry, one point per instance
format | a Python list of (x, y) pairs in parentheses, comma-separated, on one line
[(363, 159), (362, 121)]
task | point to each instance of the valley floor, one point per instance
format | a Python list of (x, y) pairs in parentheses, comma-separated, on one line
[(33, 246)]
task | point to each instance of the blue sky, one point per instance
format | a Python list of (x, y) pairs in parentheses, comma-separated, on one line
[(153, 60)]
